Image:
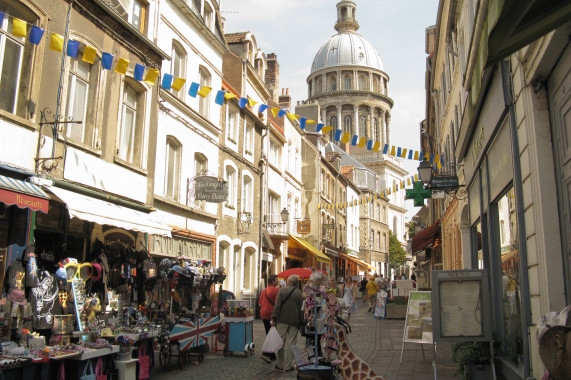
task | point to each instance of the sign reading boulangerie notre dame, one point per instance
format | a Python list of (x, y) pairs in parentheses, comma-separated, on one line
[(210, 189)]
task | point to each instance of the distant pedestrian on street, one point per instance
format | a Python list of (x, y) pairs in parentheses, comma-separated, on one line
[(349, 294), (372, 289), (288, 319), (267, 302), (333, 285), (363, 289)]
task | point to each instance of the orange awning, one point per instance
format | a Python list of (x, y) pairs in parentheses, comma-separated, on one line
[(23, 194)]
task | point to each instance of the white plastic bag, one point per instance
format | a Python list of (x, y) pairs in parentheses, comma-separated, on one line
[(273, 341)]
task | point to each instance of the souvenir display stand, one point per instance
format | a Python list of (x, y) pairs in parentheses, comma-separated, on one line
[(238, 328), (62, 318)]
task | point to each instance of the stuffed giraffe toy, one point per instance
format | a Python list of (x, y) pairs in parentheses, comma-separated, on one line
[(351, 366)]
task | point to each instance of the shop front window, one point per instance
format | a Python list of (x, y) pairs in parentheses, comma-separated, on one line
[(511, 279)]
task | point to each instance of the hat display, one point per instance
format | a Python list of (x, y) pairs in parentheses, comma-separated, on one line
[(553, 319), (97, 272)]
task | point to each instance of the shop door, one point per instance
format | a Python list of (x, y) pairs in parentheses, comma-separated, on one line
[(559, 92)]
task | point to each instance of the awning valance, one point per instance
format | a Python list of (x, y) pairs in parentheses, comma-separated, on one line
[(304, 244), (425, 238), (23, 194), (102, 212)]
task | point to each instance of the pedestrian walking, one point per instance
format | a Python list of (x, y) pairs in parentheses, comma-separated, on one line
[(363, 288), (372, 289), (288, 319), (349, 294), (267, 302)]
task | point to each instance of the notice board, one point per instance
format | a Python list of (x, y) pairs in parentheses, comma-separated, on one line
[(418, 323), (461, 302)]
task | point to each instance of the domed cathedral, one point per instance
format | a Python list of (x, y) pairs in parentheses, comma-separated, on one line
[(348, 81)]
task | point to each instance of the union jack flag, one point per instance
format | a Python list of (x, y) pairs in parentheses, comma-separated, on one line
[(193, 334)]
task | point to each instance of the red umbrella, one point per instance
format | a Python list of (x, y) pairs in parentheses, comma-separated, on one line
[(303, 273)]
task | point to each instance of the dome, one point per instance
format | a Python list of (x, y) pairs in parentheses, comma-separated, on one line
[(347, 49)]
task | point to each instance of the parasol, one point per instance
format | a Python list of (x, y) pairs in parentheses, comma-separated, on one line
[(303, 273)]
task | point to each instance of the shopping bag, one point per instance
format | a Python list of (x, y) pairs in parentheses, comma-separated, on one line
[(273, 341), (99, 370), (88, 373), (144, 361)]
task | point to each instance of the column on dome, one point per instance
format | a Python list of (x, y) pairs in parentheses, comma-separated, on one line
[(356, 120), (388, 128), (381, 132), (339, 118), (371, 123)]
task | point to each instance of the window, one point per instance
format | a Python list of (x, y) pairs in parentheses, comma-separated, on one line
[(275, 153), (318, 86), (249, 140), (333, 122), (247, 194), (172, 169), (332, 83), (135, 10), (200, 168), (81, 102), (378, 247), (296, 213), (131, 138), (208, 16), (203, 103), (395, 226), (363, 126), (178, 66), (385, 242), (347, 82), (15, 64), (230, 177), (376, 130), (362, 83), (348, 124), (232, 125)]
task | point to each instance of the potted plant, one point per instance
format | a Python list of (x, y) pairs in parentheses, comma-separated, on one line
[(396, 307), (473, 359)]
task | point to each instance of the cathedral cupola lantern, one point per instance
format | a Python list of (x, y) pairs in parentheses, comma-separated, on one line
[(346, 21)]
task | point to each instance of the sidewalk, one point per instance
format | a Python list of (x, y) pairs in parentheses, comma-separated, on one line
[(377, 341)]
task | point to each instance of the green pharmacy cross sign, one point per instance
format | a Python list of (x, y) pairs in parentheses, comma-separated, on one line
[(418, 193)]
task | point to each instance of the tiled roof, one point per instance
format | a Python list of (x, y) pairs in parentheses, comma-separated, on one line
[(235, 37)]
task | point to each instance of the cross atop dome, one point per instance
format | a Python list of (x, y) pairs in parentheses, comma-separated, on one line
[(346, 21)]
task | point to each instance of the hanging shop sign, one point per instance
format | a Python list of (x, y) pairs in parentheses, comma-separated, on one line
[(210, 189), (179, 247), (304, 226)]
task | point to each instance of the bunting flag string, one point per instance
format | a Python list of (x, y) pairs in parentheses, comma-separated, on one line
[(150, 75)]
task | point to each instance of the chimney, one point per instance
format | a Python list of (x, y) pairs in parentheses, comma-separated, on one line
[(285, 99), (272, 78)]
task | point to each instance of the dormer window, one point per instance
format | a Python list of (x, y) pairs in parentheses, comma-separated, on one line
[(136, 13)]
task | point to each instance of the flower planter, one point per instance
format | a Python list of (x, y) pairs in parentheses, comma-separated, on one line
[(395, 311)]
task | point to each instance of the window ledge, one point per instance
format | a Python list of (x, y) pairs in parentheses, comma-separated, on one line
[(130, 166), (18, 120), (81, 146)]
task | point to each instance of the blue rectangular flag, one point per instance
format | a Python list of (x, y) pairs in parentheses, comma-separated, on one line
[(281, 113), (302, 121), (167, 81), (1, 17), (354, 141), (193, 90), (398, 152), (370, 145), (242, 102), (410, 153), (319, 126), (107, 60), (139, 71), (338, 134), (36, 34), (72, 48), (386, 149), (220, 98)]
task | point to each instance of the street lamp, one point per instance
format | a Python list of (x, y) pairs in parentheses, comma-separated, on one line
[(284, 216), (445, 181)]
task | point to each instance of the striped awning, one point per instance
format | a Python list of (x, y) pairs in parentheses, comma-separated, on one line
[(23, 194)]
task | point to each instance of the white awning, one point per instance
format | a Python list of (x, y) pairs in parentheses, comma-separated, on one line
[(102, 212)]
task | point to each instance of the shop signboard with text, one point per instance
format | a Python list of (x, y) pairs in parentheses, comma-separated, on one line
[(210, 189)]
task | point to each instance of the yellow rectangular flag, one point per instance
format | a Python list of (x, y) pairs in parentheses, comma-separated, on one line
[(56, 42), (346, 137), (178, 83), (89, 54), (437, 158), (376, 146), (229, 95), (326, 129), (416, 178), (393, 151), (151, 76), (309, 122), (416, 155), (204, 91), (122, 66), (19, 27), (403, 153), (362, 142)]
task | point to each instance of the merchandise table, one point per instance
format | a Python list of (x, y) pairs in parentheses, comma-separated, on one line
[(239, 335)]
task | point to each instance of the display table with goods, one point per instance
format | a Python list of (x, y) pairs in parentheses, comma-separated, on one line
[(238, 328)]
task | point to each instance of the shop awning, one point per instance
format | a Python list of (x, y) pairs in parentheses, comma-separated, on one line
[(425, 238), (102, 212), (304, 244), (365, 265), (23, 194)]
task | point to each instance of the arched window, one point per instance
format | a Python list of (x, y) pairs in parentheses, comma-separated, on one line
[(363, 126), (348, 82), (131, 136), (208, 16), (363, 83), (333, 122), (178, 65), (332, 83), (247, 194), (348, 124), (376, 86), (172, 168), (200, 168), (204, 102), (318, 85), (376, 131), (395, 226), (230, 178)]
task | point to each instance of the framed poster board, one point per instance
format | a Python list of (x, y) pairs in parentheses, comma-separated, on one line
[(461, 309), (418, 323)]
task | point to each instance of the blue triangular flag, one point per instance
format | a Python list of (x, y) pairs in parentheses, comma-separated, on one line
[(139, 72), (220, 98), (193, 90), (36, 34), (338, 133), (167, 81), (242, 102), (263, 107), (107, 60), (72, 48)]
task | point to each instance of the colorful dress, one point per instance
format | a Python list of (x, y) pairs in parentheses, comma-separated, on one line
[(349, 299)]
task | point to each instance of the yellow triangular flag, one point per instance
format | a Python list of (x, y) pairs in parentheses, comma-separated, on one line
[(229, 95), (309, 122), (408, 181), (376, 196), (392, 153), (89, 54), (292, 116), (178, 83), (152, 76), (19, 27), (327, 129), (437, 158), (275, 111), (416, 178), (376, 146), (121, 66), (252, 103), (56, 42), (204, 91), (346, 137)]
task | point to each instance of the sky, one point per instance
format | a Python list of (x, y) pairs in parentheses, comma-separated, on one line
[(295, 30)]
